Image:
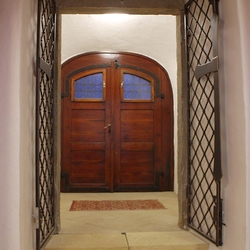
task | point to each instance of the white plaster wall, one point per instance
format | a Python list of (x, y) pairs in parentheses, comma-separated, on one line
[(27, 123), (235, 94), (9, 125), (244, 21), (16, 132), (151, 35)]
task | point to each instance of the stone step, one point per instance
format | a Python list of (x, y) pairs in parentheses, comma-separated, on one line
[(171, 240)]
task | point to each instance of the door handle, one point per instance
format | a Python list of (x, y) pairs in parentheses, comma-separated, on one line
[(108, 126)]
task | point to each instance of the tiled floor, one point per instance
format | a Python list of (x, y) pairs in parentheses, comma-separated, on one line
[(122, 230), (119, 221)]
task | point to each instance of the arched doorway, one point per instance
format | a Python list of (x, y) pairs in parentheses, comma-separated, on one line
[(117, 124), (48, 69)]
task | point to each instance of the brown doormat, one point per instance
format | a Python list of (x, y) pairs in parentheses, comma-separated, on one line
[(88, 205)]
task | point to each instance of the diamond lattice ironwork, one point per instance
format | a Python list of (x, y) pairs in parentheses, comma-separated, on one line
[(45, 122), (203, 189)]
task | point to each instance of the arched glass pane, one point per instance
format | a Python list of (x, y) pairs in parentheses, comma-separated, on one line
[(89, 87), (136, 88)]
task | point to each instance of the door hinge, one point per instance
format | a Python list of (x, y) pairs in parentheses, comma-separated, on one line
[(218, 220), (64, 94), (162, 96), (158, 177), (35, 217), (116, 64)]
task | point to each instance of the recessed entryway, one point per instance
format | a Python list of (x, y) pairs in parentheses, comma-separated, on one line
[(156, 91), (108, 177)]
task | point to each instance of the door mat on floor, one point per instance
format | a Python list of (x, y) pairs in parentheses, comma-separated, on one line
[(88, 205)]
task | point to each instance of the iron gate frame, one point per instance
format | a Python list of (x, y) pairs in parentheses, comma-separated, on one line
[(45, 128), (203, 218)]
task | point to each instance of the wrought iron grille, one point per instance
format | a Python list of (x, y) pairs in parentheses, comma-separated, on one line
[(204, 135), (44, 121)]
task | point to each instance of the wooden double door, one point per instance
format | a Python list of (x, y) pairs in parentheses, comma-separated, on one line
[(117, 124)]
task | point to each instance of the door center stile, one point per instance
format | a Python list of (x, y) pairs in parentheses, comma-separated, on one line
[(111, 119)]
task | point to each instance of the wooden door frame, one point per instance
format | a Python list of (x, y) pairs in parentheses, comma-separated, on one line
[(116, 63), (172, 7)]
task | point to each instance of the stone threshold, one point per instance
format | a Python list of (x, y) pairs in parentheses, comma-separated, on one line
[(171, 240)]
